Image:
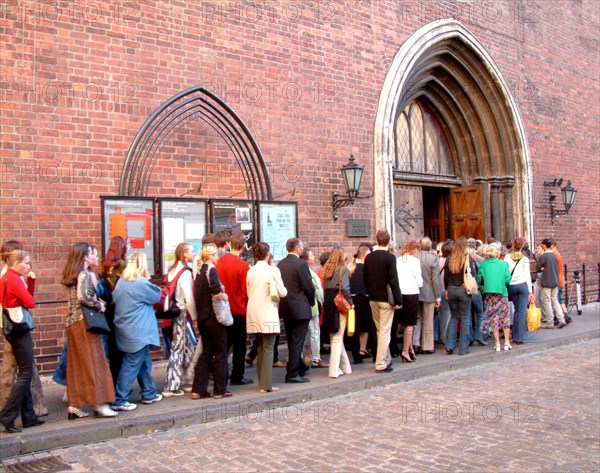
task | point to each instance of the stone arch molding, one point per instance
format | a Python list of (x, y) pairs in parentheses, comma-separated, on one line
[(195, 103), (445, 66)]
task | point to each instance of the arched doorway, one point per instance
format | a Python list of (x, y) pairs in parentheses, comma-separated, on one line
[(451, 155)]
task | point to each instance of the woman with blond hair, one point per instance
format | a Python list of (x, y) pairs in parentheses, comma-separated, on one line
[(458, 299), (212, 332), (494, 277), (336, 275), (182, 349), (89, 381), (410, 279), (136, 331)]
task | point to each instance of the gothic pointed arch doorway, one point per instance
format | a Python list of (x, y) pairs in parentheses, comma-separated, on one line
[(450, 152)]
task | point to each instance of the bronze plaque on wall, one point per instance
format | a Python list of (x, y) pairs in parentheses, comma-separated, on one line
[(358, 227)]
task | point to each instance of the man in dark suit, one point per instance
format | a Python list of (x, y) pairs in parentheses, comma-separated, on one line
[(379, 272), (295, 308)]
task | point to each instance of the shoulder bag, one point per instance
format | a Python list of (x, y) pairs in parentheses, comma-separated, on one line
[(95, 321), (469, 281), (340, 301), (16, 320), (221, 307)]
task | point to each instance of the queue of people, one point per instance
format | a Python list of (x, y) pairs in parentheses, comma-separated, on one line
[(416, 294)]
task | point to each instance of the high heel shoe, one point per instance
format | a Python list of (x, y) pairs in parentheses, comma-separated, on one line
[(406, 358), (412, 355), (105, 411), (497, 347), (75, 413), (507, 346)]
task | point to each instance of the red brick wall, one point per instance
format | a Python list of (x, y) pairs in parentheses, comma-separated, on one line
[(79, 79)]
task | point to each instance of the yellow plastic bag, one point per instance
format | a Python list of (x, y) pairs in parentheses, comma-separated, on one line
[(534, 317), (351, 322)]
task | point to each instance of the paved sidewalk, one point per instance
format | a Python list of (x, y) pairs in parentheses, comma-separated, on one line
[(178, 412)]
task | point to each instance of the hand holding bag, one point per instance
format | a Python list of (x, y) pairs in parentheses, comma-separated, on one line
[(340, 301), (220, 307), (95, 321), (469, 281), (16, 320)]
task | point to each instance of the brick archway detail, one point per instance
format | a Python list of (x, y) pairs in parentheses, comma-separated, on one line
[(195, 103)]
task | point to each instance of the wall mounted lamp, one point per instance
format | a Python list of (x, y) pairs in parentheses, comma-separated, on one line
[(568, 197), (352, 174)]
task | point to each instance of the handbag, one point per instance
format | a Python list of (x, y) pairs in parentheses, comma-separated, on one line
[(351, 322), (16, 320), (340, 301), (95, 321), (221, 308), (468, 280), (534, 317)]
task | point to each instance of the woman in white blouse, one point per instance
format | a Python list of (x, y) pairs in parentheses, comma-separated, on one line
[(520, 291), (264, 287), (410, 278)]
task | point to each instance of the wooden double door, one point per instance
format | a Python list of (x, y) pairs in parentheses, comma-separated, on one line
[(454, 212)]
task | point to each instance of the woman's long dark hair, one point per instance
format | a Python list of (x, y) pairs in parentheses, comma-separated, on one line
[(116, 252), (75, 263)]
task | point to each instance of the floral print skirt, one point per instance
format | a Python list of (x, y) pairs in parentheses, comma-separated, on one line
[(497, 315)]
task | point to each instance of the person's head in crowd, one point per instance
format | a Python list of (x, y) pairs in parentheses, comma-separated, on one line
[(117, 250), (223, 240), (261, 251), (9, 246), (76, 262), (336, 260), (294, 245), (383, 238), (208, 238), (137, 267), (324, 257), (410, 248)]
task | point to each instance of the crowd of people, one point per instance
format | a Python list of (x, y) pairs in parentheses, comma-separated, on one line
[(406, 301)]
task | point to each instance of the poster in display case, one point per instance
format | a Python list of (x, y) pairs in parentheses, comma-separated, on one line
[(234, 215), (277, 222), (131, 218), (181, 220)]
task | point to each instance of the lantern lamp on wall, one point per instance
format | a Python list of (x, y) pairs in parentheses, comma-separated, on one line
[(568, 194), (352, 174)]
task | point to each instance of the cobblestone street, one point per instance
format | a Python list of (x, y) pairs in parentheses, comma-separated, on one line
[(533, 413)]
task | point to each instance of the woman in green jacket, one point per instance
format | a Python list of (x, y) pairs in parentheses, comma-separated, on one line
[(494, 277)]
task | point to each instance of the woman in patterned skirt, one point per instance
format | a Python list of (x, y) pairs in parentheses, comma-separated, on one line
[(494, 276)]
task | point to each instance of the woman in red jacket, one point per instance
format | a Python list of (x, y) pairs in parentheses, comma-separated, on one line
[(13, 293)]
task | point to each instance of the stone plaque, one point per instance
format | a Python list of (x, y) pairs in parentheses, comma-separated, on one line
[(358, 227)]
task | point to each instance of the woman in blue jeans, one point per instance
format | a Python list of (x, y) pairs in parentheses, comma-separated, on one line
[(458, 299), (136, 332), (520, 291)]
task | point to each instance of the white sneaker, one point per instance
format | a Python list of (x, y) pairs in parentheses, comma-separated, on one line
[(157, 398), (127, 406), (105, 411)]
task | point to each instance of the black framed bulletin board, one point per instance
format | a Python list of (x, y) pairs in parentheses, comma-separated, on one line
[(277, 222), (131, 218), (234, 215), (180, 220)]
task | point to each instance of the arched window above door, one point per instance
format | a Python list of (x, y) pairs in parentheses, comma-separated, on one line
[(421, 150)]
